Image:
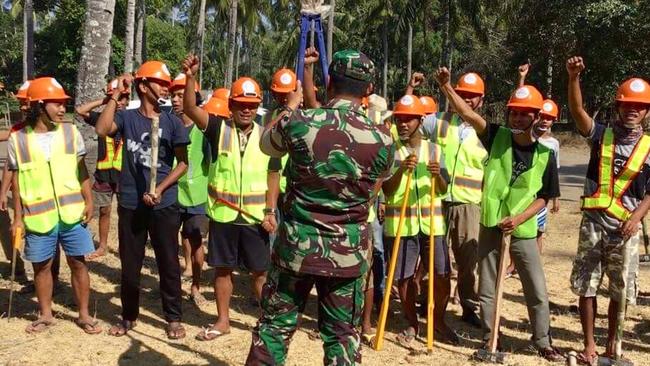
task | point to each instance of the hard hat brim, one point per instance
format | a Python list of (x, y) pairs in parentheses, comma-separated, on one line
[(468, 90), (247, 99), (407, 114), (554, 116), (633, 100), (282, 90), (523, 105)]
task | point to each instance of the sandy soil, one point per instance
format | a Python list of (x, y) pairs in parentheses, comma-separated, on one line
[(147, 344)]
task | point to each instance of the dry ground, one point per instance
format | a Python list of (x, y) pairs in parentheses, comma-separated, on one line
[(147, 345)]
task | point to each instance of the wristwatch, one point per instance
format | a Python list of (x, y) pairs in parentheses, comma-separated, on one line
[(269, 211)]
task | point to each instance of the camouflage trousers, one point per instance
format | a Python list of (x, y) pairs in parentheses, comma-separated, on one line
[(340, 303), (600, 251)]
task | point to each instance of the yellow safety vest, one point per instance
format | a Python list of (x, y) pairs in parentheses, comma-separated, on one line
[(610, 188), (49, 191), (418, 209), (464, 161), (238, 180), (113, 157)]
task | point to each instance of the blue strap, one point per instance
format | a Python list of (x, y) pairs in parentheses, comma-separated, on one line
[(305, 26)]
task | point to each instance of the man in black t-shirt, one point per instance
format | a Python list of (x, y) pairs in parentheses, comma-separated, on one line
[(520, 177), (109, 164)]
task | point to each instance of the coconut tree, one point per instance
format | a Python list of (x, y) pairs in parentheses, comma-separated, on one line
[(129, 35)]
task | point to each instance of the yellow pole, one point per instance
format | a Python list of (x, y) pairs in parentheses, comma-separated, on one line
[(432, 243), (17, 244), (381, 326)]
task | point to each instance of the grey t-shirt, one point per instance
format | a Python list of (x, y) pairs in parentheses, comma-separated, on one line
[(635, 193), (553, 144)]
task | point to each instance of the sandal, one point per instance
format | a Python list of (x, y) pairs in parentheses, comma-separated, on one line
[(89, 327), (175, 330), (449, 337), (121, 328), (368, 339), (209, 333), (39, 326), (198, 299), (407, 336)]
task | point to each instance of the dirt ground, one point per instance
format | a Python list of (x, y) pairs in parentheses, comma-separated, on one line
[(65, 344)]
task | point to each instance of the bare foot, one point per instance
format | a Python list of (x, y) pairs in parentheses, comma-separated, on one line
[(97, 254), (196, 296)]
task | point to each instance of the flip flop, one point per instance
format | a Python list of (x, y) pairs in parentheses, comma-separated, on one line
[(406, 337), (39, 326), (198, 300), (368, 339), (583, 359), (89, 327), (175, 330), (209, 334), (120, 329)]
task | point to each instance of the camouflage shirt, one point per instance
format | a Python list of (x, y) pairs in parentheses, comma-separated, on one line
[(338, 157)]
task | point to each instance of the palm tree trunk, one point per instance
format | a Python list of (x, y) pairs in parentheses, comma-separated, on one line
[(200, 32), (384, 39), (549, 74), (129, 35), (139, 33), (446, 46), (238, 47), (330, 30), (409, 53), (95, 50), (232, 41), (28, 40)]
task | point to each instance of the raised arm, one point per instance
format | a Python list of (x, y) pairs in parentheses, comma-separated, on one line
[(84, 110), (311, 57), (416, 80), (523, 72), (584, 123), (106, 125), (192, 111), (464, 111)]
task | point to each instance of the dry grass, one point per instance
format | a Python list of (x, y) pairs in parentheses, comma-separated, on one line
[(65, 344)]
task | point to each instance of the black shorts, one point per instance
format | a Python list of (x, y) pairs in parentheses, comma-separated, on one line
[(194, 225), (416, 247), (235, 246)]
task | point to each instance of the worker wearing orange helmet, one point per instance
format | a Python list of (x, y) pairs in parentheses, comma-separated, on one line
[(142, 213), (616, 198), (241, 216), (464, 156), (520, 177), (109, 164), (55, 203), (192, 190), (422, 158)]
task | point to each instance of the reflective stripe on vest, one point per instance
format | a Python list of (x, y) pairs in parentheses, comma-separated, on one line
[(49, 191), (501, 198), (112, 157), (611, 189), (238, 180), (193, 185), (418, 212), (464, 161)]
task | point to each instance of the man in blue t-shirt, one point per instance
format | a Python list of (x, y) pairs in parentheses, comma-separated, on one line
[(140, 212)]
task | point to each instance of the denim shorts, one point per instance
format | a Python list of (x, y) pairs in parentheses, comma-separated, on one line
[(75, 240)]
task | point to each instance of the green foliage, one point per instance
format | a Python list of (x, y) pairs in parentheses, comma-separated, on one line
[(166, 42)]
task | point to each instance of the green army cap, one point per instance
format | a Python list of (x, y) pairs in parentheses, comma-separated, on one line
[(352, 64)]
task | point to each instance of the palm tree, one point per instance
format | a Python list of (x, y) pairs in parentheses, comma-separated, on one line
[(232, 40), (140, 33), (129, 35), (95, 50), (200, 33), (28, 35), (330, 30)]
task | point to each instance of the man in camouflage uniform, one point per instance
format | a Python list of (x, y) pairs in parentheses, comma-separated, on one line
[(338, 160)]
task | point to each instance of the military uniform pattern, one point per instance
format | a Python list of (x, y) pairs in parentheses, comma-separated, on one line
[(337, 157), (600, 251), (340, 303)]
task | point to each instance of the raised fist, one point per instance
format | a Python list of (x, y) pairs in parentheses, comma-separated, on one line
[(443, 76), (416, 79), (190, 65), (574, 66)]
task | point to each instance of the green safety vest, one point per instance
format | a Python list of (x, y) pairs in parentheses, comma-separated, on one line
[(49, 191), (418, 210), (464, 161), (113, 157), (610, 188), (193, 185), (500, 198), (238, 180), (283, 178)]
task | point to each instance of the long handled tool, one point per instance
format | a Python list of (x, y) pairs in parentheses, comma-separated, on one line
[(236, 208), (155, 139), (381, 326), (17, 244), (618, 359), (432, 244), (491, 354)]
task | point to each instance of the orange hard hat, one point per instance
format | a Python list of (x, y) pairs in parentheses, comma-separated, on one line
[(246, 89), (110, 87), (21, 94), (549, 108), (44, 89), (154, 70), (471, 83), (217, 107), (284, 81), (526, 96), (221, 93), (179, 83), (429, 105), (365, 102), (634, 90), (409, 105)]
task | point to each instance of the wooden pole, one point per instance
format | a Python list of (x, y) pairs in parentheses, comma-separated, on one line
[(501, 275), (432, 248), (381, 326), (153, 170), (17, 243)]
